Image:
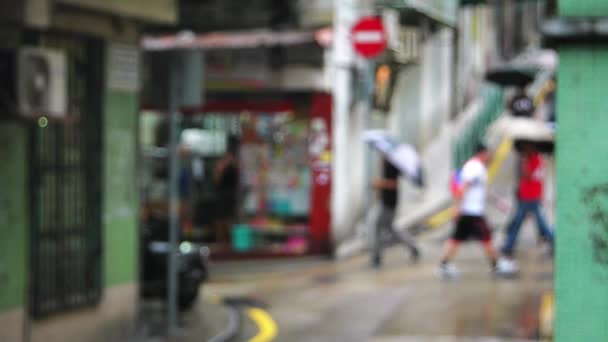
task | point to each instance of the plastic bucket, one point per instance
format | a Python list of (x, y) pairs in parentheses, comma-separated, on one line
[(242, 238)]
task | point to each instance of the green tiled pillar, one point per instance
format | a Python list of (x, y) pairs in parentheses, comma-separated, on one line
[(584, 8), (582, 185), (13, 215)]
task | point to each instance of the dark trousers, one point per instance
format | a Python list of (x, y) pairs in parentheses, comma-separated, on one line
[(523, 209), (384, 226)]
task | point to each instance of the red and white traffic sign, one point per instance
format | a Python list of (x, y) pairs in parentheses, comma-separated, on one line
[(369, 37)]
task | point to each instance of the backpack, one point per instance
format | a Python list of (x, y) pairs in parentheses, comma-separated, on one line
[(456, 182)]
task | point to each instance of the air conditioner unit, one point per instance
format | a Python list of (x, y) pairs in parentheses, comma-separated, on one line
[(41, 82)]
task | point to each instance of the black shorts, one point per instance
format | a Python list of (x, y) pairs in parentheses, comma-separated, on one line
[(472, 228)]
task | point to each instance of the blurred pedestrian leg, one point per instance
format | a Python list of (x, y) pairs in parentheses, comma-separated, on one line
[(384, 226), (388, 187), (523, 209)]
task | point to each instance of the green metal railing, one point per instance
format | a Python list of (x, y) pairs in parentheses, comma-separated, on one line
[(492, 106)]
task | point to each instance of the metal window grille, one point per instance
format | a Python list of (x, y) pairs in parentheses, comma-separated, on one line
[(65, 171)]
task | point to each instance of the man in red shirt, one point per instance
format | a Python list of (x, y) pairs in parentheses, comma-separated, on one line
[(529, 196)]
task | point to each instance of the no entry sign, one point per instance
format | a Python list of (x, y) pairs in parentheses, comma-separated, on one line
[(369, 37)]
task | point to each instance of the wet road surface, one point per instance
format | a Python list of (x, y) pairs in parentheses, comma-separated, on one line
[(322, 300)]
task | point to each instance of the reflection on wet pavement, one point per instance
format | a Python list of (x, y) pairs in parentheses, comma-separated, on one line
[(322, 300)]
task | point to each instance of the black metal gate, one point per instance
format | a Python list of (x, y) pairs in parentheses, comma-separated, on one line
[(65, 171)]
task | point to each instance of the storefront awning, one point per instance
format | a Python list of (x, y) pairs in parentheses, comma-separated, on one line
[(226, 40), (237, 106), (442, 11), (472, 2), (160, 11), (484, 2)]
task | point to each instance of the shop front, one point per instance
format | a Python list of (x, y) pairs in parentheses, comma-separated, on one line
[(255, 173), (256, 157)]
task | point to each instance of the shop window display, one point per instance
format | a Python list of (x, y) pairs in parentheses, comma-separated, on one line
[(271, 206), (276, 180)]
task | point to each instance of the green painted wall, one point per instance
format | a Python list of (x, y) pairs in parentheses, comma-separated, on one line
[(13, 214), (582, 195), (581, 8), (581, 276), (120, 190)]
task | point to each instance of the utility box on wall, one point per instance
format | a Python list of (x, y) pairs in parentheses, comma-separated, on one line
[(42, 82), (34, 82)]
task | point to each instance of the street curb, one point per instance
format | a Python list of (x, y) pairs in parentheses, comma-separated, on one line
[(240, 308), (232, 328)]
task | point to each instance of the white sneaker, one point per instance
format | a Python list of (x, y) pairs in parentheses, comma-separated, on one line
[(448, 271), (506, 267)]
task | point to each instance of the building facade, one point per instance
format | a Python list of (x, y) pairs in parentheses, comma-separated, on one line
[(68, 259)]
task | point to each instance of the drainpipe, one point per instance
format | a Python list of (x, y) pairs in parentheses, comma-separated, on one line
[(174, 117)]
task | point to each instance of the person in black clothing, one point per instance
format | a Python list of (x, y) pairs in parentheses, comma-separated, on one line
[(226, 179), (388, 186)]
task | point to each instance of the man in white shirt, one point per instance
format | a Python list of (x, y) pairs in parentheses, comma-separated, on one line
[(471, 224)]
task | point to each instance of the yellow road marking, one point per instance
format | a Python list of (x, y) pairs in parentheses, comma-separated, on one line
[(442, 217), (500, 156), (546, 316), (542, 94), (266, 325)]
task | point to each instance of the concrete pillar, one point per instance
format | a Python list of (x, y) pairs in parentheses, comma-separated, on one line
[(582, 185), (346, 14)]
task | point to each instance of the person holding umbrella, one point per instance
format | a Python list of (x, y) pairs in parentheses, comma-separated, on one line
[(530, 138), (388, 188), (397, 159), (529, 196)]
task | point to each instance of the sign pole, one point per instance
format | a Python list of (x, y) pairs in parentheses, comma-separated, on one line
[(369, 40), (368, 107), (172, 281)]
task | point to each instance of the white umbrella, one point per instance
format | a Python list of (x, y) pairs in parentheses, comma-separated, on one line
[(523, 130), (403, 156), (545, 59)]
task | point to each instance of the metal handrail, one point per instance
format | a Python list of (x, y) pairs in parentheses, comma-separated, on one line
[(491, 108)]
